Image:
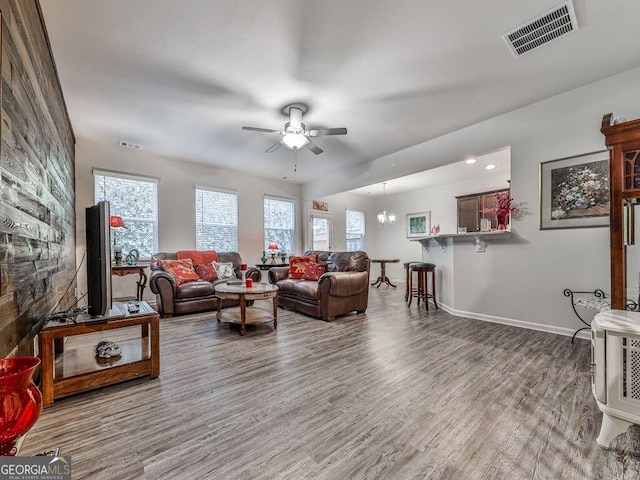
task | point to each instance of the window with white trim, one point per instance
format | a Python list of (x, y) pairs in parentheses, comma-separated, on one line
[(216, 220), (355, 230), (279, 224), (135, 199)]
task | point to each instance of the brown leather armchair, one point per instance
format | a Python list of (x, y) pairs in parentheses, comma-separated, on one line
[(191, 297), (342, 289)]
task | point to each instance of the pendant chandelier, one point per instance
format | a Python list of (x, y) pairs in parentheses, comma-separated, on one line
[(385, 217)]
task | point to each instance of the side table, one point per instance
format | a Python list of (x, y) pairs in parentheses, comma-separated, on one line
[(79, 370), (267, 266), (122, 270), (383, 272)]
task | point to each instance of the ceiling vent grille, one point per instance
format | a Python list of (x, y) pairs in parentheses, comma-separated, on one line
[(132, 146), (543, 29)]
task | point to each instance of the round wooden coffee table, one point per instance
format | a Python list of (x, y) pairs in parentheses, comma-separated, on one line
[(247, 316)]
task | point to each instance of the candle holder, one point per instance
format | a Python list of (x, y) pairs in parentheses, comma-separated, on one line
[(243, 272)]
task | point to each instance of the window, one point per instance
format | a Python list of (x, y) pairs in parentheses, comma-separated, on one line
[(320, 231), (135, 199), (279, 223), (216, 220), (355, 230), (471, 210)]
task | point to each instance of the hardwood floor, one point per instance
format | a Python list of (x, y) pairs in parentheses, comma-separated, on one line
[(398, 393)]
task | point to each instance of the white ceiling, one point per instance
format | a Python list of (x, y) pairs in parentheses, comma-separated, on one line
[(452, 173), (181, 78)]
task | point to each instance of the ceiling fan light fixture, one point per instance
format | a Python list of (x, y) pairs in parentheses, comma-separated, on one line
[(295, 140)]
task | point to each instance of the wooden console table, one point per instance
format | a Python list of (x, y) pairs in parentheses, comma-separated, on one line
[(122, 270), (267, 266), (79, 370)]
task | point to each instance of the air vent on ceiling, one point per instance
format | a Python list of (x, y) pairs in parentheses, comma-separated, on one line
[(542, 29), (132, 146)]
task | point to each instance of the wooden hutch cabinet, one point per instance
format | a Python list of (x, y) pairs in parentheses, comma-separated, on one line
[(623, 142)]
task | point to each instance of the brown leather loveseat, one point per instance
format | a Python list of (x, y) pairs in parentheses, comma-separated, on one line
[(343, 288), (192, 296)]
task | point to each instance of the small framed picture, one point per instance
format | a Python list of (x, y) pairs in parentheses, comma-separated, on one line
[(462, 229), (418, 224)]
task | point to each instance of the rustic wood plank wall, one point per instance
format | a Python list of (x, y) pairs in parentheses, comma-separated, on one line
[(37, 192)]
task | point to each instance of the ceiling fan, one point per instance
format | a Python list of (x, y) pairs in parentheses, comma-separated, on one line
[(295, 135)]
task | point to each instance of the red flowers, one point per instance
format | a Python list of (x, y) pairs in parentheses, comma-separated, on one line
[(503, 208)]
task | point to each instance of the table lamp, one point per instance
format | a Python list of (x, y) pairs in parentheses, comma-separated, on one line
[(273, 246), (117, 224)]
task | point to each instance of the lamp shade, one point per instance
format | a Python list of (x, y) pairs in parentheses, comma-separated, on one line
[(117, 222), (295, 140), (273, 246)]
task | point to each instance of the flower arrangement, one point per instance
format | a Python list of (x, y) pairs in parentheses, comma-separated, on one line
[(582, 188), (503, 208)]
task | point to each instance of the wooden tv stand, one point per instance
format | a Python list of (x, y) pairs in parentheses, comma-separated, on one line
[(80, 370)]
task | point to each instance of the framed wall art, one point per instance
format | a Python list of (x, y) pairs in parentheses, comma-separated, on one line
[(418, 224), (574, 191)]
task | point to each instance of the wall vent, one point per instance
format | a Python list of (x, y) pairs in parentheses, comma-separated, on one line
[(132, 146), (542, 29)]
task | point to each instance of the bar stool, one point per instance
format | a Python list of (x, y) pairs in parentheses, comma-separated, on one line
[(408, 279), (421, 291)]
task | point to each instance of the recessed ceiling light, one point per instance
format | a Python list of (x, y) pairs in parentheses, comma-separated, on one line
[(491, 166), (470, 161)]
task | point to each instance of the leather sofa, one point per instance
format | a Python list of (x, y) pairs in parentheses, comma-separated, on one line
[(343, 288), (191, 297)]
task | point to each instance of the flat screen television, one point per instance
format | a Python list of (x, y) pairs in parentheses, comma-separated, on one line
[(98, 259)]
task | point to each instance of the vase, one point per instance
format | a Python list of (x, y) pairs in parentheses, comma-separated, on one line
[(501, 222), (20, 401), (264, 257)]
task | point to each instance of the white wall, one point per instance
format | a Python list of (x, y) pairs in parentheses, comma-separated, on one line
[(176, 202), (521, 279), (338, 205)]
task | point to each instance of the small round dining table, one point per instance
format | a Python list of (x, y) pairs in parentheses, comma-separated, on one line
[(383, 271)]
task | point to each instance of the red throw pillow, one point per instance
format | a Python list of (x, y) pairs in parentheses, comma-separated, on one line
[(313, 271), (199, 257), (297, 266), (206, 272), (181, 270)]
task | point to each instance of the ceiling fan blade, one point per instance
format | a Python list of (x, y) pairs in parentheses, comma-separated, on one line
[(265, 130), (273, 147), (327, 131), (295, 117), (314, 148)]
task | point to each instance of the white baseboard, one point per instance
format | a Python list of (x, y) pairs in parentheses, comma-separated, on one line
[(585, 334)]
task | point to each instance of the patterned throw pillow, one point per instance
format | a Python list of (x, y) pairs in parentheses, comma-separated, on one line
[(224, 270), (206, 272), (181, 270), (313, 271), (297, 266), (199, 257)]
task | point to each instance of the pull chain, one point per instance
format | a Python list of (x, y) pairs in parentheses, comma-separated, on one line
[(295, 159)]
